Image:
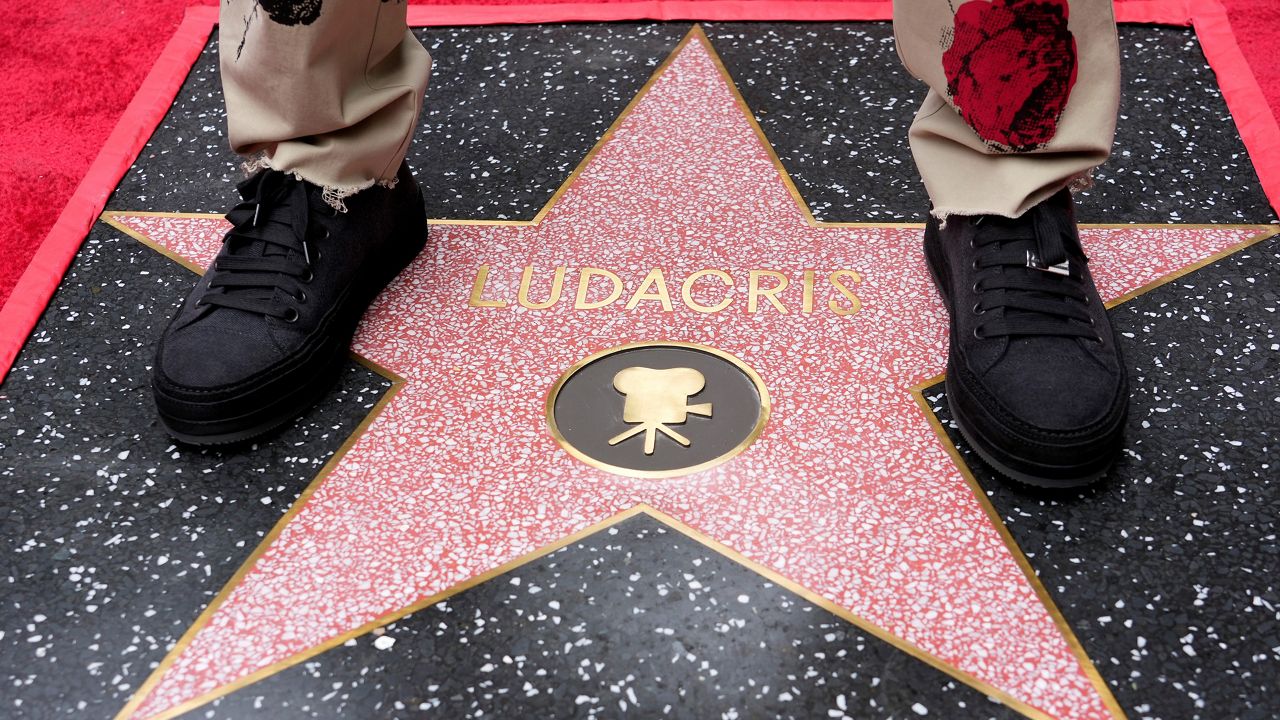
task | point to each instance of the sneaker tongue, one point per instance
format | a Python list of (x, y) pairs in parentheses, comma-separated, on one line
[(1051, 246), (273, 217), (252, 243), (1048, 234), (273, 226), (1045, 239), (264, 228)]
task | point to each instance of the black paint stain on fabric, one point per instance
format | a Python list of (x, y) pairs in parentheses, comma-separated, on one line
[(292, 12), (282, 12), (285, 12), (1167, 570), (114, 537), (636, 620)]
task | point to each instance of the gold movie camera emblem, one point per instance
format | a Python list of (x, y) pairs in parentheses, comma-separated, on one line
[(656, 399), (708, 404)]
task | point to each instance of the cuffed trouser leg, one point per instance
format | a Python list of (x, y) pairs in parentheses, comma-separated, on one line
[(329, 91), (1022, 101)]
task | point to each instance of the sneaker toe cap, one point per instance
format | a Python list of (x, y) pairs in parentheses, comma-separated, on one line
[(201, 361), (1067, 401)]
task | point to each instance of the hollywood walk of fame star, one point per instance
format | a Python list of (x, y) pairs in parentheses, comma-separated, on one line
[(848, 493)]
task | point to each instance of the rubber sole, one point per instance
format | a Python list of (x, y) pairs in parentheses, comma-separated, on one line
[(289, 408), (1062, 479)]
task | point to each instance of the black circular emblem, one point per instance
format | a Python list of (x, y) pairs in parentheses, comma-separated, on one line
[(657, 409)]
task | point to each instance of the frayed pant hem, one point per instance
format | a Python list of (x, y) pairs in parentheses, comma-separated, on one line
[(334, 195)]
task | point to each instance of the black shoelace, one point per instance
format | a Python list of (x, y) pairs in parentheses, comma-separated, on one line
[(1025, 270), (260, 252)]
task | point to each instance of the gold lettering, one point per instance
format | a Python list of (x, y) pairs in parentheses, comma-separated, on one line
[(854, 303), (584, 284), (477, 290), (755, 292), (654, 288), (658, 281), (557, 286), (686, 291)]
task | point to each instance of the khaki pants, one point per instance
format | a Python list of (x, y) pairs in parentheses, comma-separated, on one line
[(1022, 100), (329, 90)]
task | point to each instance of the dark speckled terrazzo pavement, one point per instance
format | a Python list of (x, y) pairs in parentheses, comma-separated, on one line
[(636, 620), (1168, 570), (115, 540)]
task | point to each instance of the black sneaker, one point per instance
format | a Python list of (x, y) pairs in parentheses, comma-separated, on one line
[(1035, 380), (265, 332)]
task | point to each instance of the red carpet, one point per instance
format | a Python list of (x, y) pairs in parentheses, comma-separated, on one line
[(74, 65)]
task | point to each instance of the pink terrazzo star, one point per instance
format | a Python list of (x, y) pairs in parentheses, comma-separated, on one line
[(848, 492)]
